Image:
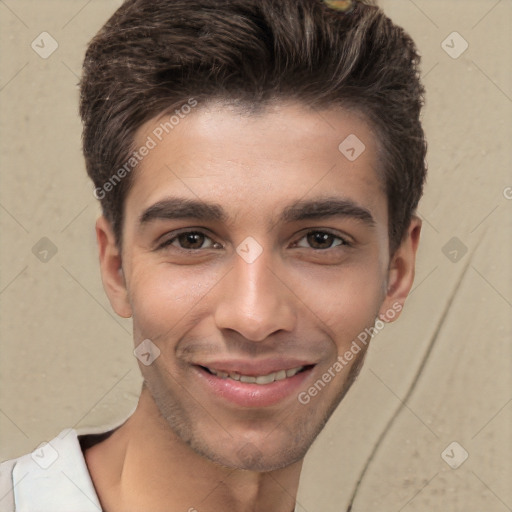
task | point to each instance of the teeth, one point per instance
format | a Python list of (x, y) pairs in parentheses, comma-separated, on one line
[(280, 375), (260, 379), (294, 371), (265, 379)]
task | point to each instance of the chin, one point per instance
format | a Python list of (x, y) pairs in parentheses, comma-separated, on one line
[(249, 457), (270, 449)]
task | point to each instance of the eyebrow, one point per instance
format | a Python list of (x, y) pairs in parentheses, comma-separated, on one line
[(174, 208)]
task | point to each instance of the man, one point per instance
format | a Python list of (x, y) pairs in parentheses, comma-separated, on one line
[(258, 163)]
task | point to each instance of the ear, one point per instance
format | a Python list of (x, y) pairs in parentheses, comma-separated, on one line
[(401, 273), (111, 269)]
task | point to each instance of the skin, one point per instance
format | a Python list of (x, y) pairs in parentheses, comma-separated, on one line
[(304, 297)]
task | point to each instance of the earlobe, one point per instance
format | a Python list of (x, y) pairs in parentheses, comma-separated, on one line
[(111, 269), (401, 273)]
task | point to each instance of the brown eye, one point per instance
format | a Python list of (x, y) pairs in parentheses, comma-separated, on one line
[(190, 240), (321, 240)]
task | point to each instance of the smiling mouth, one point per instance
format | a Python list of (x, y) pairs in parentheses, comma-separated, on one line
[(257, 379)]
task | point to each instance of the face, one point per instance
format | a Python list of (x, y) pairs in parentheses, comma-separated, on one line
[(254, 254)]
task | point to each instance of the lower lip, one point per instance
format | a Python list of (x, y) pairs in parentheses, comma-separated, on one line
[(253, 395)]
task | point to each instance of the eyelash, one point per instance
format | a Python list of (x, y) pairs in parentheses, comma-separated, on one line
[(169, 241)]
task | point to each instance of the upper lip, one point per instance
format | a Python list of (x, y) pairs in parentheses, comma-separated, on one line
[(255, 368)]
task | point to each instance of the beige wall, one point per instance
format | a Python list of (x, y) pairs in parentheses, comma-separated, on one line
[(441, 374)]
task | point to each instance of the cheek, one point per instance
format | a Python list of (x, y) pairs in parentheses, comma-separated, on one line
[(163, 297), (171, 299), (346, 300)]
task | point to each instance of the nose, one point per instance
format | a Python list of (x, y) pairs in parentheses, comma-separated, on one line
[(254, 300)]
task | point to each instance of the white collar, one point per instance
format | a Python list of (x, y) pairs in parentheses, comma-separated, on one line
[(55, 477)]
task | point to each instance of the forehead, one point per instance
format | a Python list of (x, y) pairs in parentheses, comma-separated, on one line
[(258, 161)]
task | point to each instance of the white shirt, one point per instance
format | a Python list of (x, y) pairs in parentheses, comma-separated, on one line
[(53, 478)]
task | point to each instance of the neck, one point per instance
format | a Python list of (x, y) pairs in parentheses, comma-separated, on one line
[(144, 466)]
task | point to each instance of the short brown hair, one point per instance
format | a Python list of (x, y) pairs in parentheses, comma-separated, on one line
[(152, 56)]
